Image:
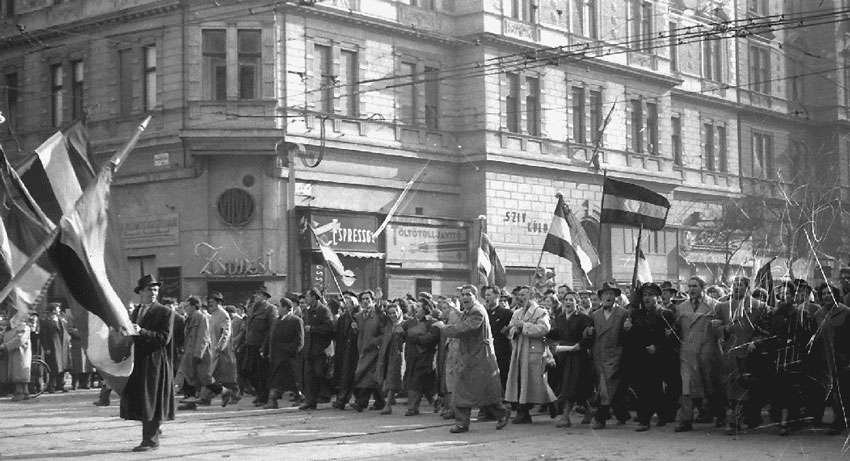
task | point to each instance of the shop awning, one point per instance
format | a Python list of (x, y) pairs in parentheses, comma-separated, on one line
[(361, 254), (715, 257)]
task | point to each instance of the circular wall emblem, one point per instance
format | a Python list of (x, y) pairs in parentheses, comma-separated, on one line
[(236, 207)]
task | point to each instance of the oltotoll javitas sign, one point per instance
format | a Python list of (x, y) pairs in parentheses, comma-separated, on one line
[(412, 243)]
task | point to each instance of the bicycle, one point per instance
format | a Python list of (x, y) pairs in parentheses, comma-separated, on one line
[(40, 376)]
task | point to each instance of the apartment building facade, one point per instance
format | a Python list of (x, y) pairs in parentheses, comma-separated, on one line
[(491, 107)]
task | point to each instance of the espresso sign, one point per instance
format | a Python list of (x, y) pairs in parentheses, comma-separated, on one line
[(342, 232)]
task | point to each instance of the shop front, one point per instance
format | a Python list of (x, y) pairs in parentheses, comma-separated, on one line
[(429, 255), (350, 236)]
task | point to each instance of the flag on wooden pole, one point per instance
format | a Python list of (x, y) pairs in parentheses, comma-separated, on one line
[(489, 263), (567, 239)]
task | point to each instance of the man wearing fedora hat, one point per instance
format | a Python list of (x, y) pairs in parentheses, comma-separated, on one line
[(149, 394), (258, 323), (610, 322)]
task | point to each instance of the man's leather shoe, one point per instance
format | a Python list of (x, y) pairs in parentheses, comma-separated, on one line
[(187, 406), (144, 447), (502, 422), (411, 412), (457, 429)]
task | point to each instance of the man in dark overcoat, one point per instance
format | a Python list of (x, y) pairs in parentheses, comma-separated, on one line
[(478, 373), (500, 317), (149, 394), (318, 334), (257, 323), (370, 333), (647, 340), (285, 342), (345, 348), (52, 336)]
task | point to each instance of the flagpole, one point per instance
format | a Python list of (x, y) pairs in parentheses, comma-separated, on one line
[(637, 258), (327, 265), (119, 157), (600, 272)]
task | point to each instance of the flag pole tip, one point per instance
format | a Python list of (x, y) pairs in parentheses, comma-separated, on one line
[(145, 122)]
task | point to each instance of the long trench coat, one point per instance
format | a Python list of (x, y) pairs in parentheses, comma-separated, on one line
[(286, 340), (369, 339), (149, 394), (197, 355), (222, 357), (607, 351), (476, 383), (345, 352), (527, 380), (52, 337), (389, 364), (699, 356), (16, 342), (448, 361)]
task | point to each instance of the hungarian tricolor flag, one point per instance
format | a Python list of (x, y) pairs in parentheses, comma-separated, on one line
[(567, 239), (88, 250), (633, 205), (489, 263)]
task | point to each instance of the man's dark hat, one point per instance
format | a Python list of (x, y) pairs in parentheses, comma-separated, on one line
[(668, 286), (147, 280), (649, 287), (264, 291), (425, 294), (609, 286), (216, 295)]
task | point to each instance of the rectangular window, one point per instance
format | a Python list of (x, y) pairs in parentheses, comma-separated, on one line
[(125, 81), (407, 93), (673, 41), (215, 64), (522, 10), (584, 18), (432, 97), (512, 102), (248, 44), (762, 155), (532, 106), (721, 149), (596, 116), (641, 20), (150, 76), (652, 127), (760, 70), (708, 147), (325, 82), (712, 60), (77, 89), (637, 126), (578, 114), (676, 139), (348, 71), (12, 93), (57, 77)]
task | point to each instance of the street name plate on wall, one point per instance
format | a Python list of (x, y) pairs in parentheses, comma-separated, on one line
[(407, 243), (150, 231)]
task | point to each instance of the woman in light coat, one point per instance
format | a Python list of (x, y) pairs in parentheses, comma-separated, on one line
[(527, 382), (16, 346)]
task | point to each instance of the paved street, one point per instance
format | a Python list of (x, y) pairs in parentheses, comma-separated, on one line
[(67, 426)]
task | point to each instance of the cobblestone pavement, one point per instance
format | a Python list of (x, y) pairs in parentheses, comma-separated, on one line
[(68, 426)]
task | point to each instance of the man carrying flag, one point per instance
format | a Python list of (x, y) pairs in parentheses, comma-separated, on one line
[(567, 239)]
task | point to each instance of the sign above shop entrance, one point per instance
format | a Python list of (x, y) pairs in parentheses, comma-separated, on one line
[(341, 231), (412, 243)]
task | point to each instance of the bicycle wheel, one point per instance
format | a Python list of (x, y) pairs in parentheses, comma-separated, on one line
[(40, 377)]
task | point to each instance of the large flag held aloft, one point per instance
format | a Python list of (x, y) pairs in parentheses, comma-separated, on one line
[(764, 279), (633, 205), (567, 239), (22, 230), (489, 263)]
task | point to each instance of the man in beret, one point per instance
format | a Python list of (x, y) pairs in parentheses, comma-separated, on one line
[(149, 394)]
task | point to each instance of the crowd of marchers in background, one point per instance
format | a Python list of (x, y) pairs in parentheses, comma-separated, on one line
[(733, 358)]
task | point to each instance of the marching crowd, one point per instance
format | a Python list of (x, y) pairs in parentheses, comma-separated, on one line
[(707, 354)]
